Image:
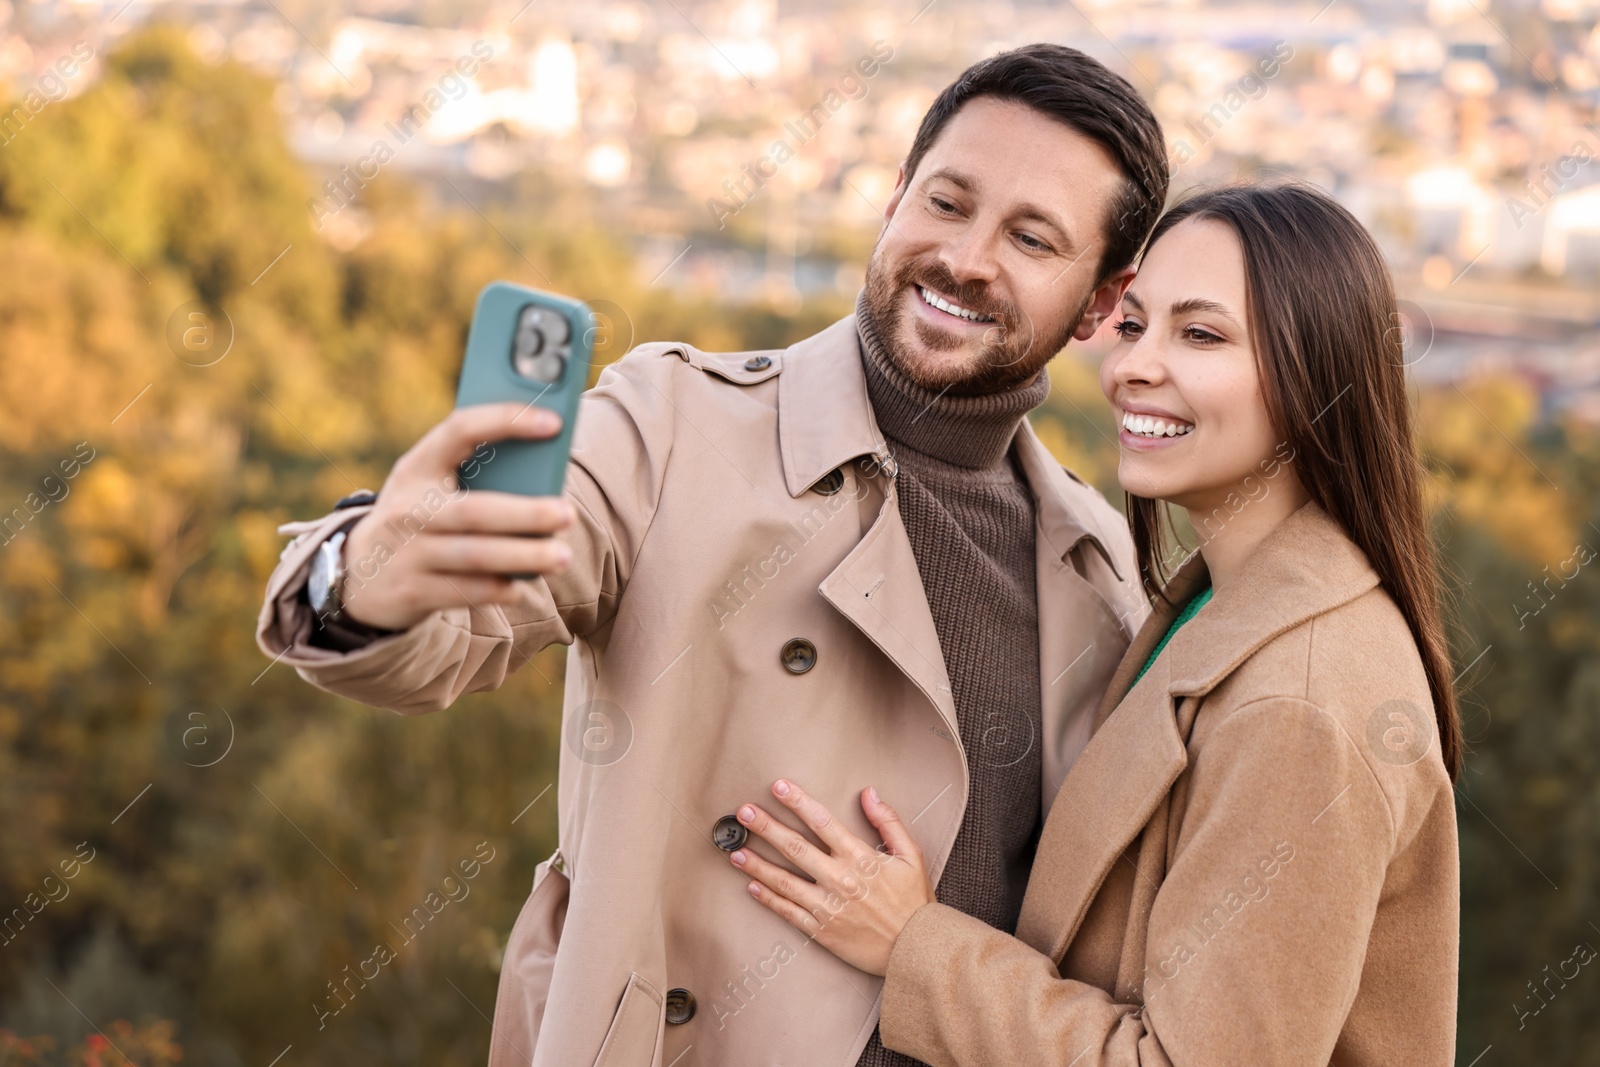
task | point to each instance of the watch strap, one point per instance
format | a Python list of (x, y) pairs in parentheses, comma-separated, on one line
[(336, 630)]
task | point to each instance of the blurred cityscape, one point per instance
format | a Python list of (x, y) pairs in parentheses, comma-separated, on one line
[(747, 147)]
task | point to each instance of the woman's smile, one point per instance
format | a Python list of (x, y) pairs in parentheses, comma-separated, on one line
[(1145, 429)]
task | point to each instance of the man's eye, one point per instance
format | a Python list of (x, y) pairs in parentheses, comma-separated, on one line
[(1033, 242), (942, 205)]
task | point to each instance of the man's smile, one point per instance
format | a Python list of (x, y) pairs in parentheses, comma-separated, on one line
[(950, 307)]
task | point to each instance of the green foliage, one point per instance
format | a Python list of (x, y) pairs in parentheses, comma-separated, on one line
[(251, 839)]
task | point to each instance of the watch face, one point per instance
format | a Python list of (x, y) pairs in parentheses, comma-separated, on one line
[(318, 583)]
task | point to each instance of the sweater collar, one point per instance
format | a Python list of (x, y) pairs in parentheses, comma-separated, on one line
[(966, 431)]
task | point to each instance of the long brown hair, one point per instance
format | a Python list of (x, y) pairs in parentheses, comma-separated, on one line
[(1328, 345)]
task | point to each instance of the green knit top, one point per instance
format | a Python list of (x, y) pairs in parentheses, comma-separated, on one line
[(1189, 611)]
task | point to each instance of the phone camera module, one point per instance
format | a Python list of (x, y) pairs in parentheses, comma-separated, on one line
[(540, 348)]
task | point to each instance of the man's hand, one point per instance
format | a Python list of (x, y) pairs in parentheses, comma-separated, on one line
[(429, 544)]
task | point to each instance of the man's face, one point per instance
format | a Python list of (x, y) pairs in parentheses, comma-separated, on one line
[(987, 262)]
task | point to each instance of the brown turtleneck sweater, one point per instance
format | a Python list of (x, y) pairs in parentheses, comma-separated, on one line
[(969, 515)]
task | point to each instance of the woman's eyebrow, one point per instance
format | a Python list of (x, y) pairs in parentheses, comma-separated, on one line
[(1193, 304)]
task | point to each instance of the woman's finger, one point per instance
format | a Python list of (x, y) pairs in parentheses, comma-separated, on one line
[(789, 844), (840, 841), (896, 835), (786, 909), (807, 895)]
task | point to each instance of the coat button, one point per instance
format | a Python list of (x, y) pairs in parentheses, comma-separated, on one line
[(680, 1006), (758, 363), (729, 834), (830, 483), (799, 656)]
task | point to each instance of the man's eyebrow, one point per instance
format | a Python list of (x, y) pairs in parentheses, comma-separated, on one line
[(955, 178), (1040, 215)]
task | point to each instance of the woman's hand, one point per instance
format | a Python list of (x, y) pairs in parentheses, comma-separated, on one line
[(859, 898)]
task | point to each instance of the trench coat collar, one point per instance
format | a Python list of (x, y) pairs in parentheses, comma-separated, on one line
[(824, 416), (1060, 526), (825, 419), (1306, 567)]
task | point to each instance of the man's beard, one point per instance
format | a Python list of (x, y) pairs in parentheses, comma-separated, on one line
[(1011, 351)]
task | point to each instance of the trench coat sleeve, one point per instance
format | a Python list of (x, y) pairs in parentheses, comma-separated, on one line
[(620, 449), (1256, 938)]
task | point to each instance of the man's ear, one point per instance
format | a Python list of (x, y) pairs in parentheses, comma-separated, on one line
[(1103, 302), (899, 191)]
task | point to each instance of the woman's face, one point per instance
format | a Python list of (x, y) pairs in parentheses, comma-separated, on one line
[(1182, 379)]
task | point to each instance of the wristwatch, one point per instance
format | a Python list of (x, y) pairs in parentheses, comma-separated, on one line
[(325, 584)]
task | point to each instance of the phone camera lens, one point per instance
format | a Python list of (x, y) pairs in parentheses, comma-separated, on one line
[(539, 351)]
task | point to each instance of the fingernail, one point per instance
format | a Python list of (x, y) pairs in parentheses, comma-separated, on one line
[(563, 554), (755, 889), (781, 787), (747, 814), (568, 515), (872, 794), (738, 858)]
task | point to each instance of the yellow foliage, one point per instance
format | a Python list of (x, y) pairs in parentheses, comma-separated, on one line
[(1486, 477)]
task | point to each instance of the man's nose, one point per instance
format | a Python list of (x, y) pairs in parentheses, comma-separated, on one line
[(971, 256)]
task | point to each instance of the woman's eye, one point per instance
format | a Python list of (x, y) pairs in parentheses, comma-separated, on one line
[(1127, 329), (1199, 336)]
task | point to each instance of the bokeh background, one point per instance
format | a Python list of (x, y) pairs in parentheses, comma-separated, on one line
[(239, 245)]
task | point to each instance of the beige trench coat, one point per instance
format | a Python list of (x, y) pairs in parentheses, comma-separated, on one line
[(706, 541), (1253, 862)]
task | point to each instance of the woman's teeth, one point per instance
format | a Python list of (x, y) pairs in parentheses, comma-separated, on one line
[(951, 309), (1147, 426)]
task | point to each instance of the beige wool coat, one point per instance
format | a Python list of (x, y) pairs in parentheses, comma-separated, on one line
[(1254, 861), (728, 507)]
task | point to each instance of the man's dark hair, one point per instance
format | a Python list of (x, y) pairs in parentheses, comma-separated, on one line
[(1075, 89)]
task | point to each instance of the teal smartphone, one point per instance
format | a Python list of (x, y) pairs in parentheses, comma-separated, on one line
[(532, 347)]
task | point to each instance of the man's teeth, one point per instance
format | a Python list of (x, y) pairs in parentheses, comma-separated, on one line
[(953, 309), (1147, 426)]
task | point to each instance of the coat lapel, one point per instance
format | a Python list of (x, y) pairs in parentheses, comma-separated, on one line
[(1081, 633), (824, 413), (1123, 774), (1189, 580), (879, 589), (1305, 567), (825, 420)]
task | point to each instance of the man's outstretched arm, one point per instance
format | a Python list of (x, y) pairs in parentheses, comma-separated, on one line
[(434, 563)]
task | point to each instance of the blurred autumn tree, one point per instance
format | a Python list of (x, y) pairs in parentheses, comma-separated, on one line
[(176, 335), (207, 366)]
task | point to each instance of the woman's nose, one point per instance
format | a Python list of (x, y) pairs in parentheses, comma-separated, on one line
[(1138, 363)]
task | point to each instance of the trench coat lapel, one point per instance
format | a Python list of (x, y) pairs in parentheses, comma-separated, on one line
[(878, 588), (824, 414), (1081, 633), (825, 420)]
